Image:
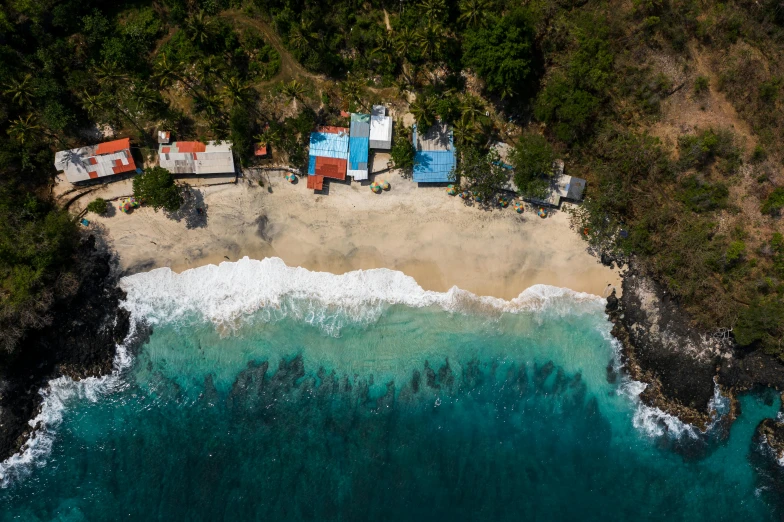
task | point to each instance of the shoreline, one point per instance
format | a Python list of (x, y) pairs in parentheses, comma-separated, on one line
[(437, 239)]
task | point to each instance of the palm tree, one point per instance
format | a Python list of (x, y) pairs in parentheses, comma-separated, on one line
[(21, 92), (270, 135), (423, 110), (236, 91), (432, 9), (430, 40), (404, 39), (473, 13), (108, 74), (145, 97), (23, 130), (466, 131), (471, 107), (207, 67), (164, 71), (293, 90), (384, 47), (351, 90), (199, 28)]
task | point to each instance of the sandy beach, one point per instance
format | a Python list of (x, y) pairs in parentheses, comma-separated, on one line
[(435, 238)]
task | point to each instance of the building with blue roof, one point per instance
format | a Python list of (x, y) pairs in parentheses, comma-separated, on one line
[(434, 157), (359, 140), (328, 155)]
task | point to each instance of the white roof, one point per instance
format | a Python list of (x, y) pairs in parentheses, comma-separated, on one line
[(216, 159), (380, 128), (78, 164)]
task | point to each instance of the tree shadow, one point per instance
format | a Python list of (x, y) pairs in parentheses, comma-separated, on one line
[(193, 210)]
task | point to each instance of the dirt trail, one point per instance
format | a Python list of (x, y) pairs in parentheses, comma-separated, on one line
[(289, 67)]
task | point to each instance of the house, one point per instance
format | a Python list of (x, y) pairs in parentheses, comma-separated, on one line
[(562, 187), (434, 156), (96, 161), (380, 128), (358, 141), (164, 137), (195, 157), (328, 155)]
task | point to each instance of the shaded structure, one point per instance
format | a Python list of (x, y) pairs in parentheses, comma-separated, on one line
[(434, 159), (95, 161), (328, 155), (358, 143), (195, 157)]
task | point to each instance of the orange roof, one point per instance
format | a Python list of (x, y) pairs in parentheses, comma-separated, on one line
[(334, 168), (113, 146), (333, 130), (260, 149), (165, 150), (191, 146), (316, 182)]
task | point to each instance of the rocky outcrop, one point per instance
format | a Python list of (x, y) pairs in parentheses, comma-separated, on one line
[(80, 342), (662, 348)]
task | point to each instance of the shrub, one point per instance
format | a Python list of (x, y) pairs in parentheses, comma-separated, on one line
[(98, 206), (402, 152), (735, 253), (700, 150), (532, 159), (761, 324), (700, 196), (701, 84), (774, 202), (156, 187)]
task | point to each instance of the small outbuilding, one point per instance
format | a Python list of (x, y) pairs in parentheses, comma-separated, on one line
[(434, 156), (380, 128)]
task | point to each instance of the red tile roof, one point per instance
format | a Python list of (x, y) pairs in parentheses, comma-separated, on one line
[(334, 168), (165, 150), (316, 182), (260, 149), (333, 130), (191, 146), (113, 146)]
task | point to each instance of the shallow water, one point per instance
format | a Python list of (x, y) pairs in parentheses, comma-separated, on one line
[(308, 410)]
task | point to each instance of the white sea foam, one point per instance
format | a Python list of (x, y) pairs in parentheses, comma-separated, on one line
[(56, 396), (232, 291)]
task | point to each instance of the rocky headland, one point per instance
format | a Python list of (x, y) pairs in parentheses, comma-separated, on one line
[(680, 363), (80, 342)]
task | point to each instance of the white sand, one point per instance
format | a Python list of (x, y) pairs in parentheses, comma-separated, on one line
[(421, 231)]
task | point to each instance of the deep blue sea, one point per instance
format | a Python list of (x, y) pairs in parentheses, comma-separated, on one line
[(262, 392)]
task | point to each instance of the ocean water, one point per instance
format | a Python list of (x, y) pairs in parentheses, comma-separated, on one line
[(263, 392)]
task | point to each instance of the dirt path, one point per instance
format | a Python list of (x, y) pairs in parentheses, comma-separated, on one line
[(289, 67)]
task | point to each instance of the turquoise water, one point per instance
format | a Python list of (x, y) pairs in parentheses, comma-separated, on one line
[(412, 414)]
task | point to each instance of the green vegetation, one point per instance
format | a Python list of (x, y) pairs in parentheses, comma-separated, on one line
[(589, 80), (774, 202), (98, 206), (532, 159), (156, 188), (402, 152), (482, 171)]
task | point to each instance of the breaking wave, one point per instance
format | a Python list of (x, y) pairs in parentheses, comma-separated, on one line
[(231, 292)]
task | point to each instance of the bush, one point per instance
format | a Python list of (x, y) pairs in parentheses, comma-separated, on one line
[(156, 187), (735, 253), (700, 150), (98, 206), (774, 202), (501, 54), (402, 152), (532, 159), (483, 172), (761, 324), (701, 84), (700, 196)]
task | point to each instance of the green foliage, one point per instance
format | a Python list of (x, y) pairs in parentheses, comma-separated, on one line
[(701, 85), (482, 171), (241, 133), (700, 196), (774, 202), (98, 206), (156, 188), (532, 159), (769, 90), (736, 252), (502, 54), (402, 152), (700, 150), (761, 324)]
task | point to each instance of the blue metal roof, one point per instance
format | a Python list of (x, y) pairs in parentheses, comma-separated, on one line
[(329, 145), (358, 153), (434, 166), (311, 165)]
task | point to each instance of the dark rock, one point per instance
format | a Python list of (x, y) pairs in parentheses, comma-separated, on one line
[(663, 349), (612, 303), (79, 343)]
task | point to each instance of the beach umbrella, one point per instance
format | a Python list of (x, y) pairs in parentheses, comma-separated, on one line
[(385, 185), (126, 207), (375, 187), (465, 194), (519, 209)]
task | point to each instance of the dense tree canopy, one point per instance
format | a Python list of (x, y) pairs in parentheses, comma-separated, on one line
[(157, 189)]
